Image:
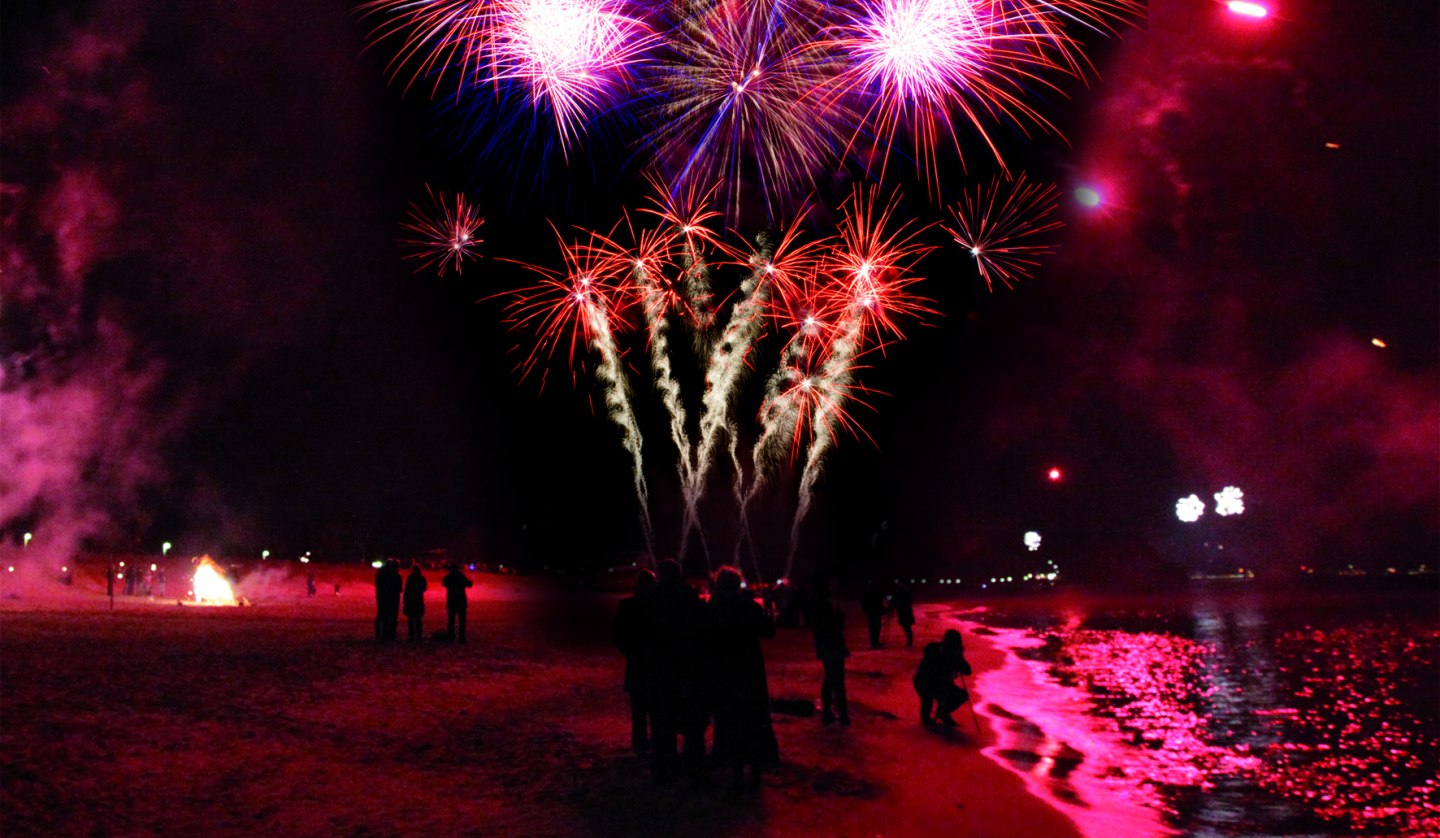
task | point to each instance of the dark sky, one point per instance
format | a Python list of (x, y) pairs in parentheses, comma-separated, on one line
[(209, 335)]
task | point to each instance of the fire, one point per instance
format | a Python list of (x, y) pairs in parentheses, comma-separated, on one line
[(210, 586)]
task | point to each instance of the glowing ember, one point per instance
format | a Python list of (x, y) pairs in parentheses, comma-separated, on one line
[(1189, 509), (1229, 501), (210, 586)]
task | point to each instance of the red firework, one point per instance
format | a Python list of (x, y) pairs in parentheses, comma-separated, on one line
[(443, 236), (573, 308), (869, 266), (1004, 228)]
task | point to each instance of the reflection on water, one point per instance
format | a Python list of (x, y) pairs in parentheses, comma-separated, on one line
[(1229, 716)]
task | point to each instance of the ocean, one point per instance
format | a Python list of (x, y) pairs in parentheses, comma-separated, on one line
[(1222, 710)]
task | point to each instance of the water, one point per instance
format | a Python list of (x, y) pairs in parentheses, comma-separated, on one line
[(1223, 712)]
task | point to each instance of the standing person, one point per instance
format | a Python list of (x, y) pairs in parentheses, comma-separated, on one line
[(457, 604), (872, 602), (676, 650), (633, 633), (129, 574), (160, 581), (827, 621), (902, 602), (415, 587), (735, 624), (935, 679), (388, 587), (310, 584)]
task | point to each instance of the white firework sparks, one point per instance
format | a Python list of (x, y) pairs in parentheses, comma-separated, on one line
[(1229, 501), (1032, 540), (1189, 509)]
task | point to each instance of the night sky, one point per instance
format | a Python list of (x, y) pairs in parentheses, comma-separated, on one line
[(210, 336)]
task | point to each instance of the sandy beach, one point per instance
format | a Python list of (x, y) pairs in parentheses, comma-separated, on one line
[(286, 717)]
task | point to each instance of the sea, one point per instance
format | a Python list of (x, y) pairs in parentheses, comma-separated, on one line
[(1223, 710)]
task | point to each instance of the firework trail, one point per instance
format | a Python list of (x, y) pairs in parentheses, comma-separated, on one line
[(658, 300), (436, 36), (579, 307), (444, 235), (832, 389), (1004, 229)]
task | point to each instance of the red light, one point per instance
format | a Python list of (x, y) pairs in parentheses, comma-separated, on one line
[(1054, 475)]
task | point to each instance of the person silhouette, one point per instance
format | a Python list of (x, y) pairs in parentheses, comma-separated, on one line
[(827, 621), (457, 605), (676, 650), (739, 695), (872, 602), (415, 586), (632, 633), (388, 588), (935, 679), (902, 603)]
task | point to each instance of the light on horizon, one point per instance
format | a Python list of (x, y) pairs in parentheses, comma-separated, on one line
[(1246, 9)]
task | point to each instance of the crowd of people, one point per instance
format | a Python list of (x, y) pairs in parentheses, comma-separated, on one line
[(692, 662)]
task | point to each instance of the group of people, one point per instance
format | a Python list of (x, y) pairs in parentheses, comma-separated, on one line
[(900, 603), (690, 663), (391, 591), (144, 583)]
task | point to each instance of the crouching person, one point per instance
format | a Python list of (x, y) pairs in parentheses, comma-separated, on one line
[(935, 679)]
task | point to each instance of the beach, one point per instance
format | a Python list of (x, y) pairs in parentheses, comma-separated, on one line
[(285, 716)]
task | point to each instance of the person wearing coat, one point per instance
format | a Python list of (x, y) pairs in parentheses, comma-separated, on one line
[(739, 695), (415, 586)]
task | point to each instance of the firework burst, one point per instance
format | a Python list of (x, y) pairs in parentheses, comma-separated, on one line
[(737, 100), (1004, 228), (442, 235)]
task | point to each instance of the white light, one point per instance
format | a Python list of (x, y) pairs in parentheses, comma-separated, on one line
[(1229, 501), (1032, 540), (1189, 509)]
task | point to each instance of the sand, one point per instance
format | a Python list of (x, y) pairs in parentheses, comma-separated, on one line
[(287, 718)]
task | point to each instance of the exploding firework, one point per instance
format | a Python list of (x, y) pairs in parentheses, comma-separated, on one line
[(442, 235), (573, 57), (1032, 541), (1189, 509), (736, 100), (1229, 501), (1004, 228)]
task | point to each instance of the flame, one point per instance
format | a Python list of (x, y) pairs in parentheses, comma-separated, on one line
[(210, 586)]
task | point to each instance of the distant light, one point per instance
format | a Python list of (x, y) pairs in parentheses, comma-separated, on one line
[(165, 548), (1087, 197), (264, 554), (1189, 509), (377, 564), (1332, 145), (153, 567), (304, 560), (1240, 7), (1229, 501), (1054, 474), (1378, 342), (28, 536), (1032, 540), (11, 568)]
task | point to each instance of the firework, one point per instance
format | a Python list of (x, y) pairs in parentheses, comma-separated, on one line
[(580, 306), (442, 236), (737, 100), (572, 56), (870, 266), (1032, 541), (1229, 501), (1189, 509), (1004, 228), (436, 35)]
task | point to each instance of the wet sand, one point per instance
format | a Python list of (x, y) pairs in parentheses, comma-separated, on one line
[(287, 718)]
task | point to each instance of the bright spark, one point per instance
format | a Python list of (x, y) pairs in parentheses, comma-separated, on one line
[(1229, 501), (1189, 509)]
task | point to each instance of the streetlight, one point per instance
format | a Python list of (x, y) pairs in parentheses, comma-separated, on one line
[(165, 548), (28, 536), (264, 554)]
